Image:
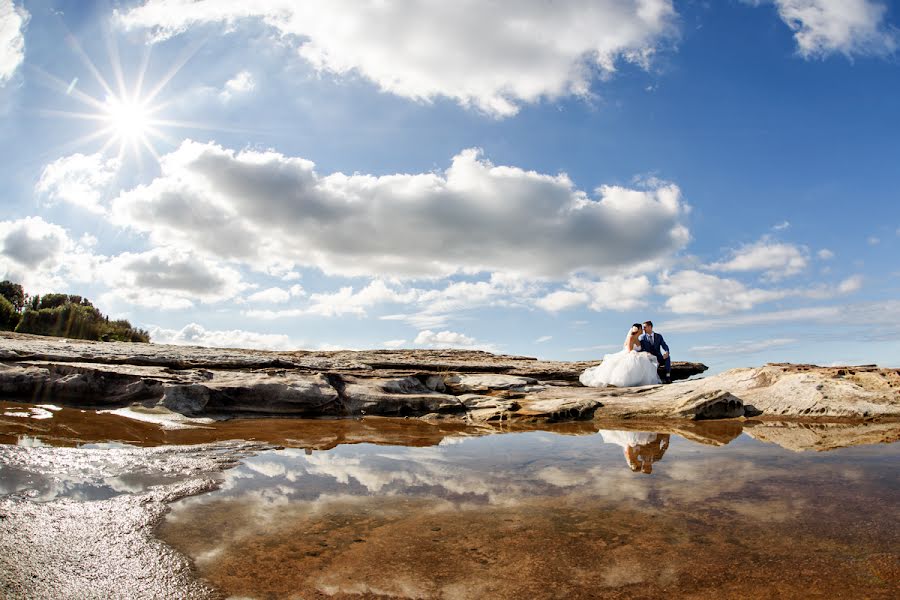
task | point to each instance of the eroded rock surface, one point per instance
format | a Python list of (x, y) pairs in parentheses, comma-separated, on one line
[(472, 386), (57, 543)]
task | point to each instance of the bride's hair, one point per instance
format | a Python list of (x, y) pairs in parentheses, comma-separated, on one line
[(635, 328)]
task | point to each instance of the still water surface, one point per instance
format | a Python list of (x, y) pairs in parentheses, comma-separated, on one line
[(543, 515)]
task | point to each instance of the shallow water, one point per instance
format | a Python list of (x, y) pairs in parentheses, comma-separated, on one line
[(407, 508), (537, 514)]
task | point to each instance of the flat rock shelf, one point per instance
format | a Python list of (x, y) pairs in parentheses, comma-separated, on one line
[(180, 385)]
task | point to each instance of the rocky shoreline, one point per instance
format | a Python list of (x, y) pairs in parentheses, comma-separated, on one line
[(179, 385)]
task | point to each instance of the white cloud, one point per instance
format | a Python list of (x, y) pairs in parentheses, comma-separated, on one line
[(449, 339), (240, 84), (32, 242), (274, 295), (257, 207), (168, 278), (196, 335), (12, 39), (43, 257), (543, 339), (873, 240), (781, 226), (825, 254), (694, 292), (851, 284), (777, 260), (336, 304), (848, 27), (875, 318), (745, 346), (78, 179), (615, 293), (393, 343), (345, 301), (493, 56), (618, 292), (562, 300)]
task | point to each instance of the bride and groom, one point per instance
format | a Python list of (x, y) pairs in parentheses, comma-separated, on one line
[(638, 363)]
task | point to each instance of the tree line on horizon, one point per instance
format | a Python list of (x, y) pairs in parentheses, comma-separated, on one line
[(61, 315)]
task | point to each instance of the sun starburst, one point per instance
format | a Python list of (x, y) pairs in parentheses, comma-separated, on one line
[(127, 118)]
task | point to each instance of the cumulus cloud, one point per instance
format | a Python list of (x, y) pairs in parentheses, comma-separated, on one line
[(393, 343), (611, 293), (78, 179), (197, 335), (273, 295), (32, 242), (615, 293), (43, 257), (242, 83), (691, 291), (169, 278), (848, 27), (493, 56), (257, 207), (562, 300), (695, 292), (776, 260), (345, 301), (449, 339), (12, 39), (825, 254)]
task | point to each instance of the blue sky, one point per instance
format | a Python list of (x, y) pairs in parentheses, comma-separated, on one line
[(528, 178)]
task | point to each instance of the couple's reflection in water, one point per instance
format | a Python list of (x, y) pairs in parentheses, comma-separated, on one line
[(641, 448)]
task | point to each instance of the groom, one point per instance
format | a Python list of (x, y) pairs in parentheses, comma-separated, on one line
[(656, 345)]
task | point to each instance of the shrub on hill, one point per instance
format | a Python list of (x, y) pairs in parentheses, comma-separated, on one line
[(80, 321), (9, 317), (63, 315)]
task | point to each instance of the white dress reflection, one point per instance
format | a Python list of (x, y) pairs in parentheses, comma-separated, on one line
[(641, 448), (628, 367)]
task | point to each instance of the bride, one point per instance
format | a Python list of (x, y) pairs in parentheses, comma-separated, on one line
[(627, 368)]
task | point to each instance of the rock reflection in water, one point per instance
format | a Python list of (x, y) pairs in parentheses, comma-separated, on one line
[(542, 515)]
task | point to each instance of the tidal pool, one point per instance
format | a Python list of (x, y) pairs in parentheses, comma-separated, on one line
[(618, 514)]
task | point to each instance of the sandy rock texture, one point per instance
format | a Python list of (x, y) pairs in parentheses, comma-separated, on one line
[(53, 544), (473, 386)]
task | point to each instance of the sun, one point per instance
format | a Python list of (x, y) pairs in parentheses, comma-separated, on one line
[(129, 121), (126, 116)]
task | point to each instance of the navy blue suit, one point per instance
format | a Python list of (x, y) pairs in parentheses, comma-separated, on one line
[(656, 349)]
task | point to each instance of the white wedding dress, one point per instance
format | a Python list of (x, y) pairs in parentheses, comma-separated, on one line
[(626, 368)]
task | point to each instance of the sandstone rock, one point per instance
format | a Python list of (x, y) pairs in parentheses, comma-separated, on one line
[(485, 382), (467, 385), (393, 397)]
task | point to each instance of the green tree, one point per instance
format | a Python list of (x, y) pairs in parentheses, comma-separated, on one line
[(72, 316), (9, 316), (14, 293)]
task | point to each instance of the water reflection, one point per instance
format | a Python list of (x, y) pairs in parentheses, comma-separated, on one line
[(641, 448), (545, 515)]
